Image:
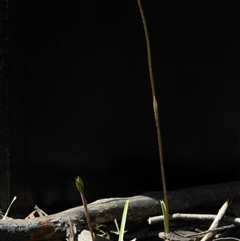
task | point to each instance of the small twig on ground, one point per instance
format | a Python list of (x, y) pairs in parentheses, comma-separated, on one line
[(226, 239), (72, 235), (40, 212), (173, 237), (37, 210), (216, 222), (178, 236), (211, 230), (116, 224), (31, 215), (5, 215), (189, 216), (185, 216)]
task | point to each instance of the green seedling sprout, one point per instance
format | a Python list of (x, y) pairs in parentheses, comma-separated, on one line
[(80, 187), (156, 113), (164, 212), (123, 222)]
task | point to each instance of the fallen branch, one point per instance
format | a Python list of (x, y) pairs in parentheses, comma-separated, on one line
[(56, 226)]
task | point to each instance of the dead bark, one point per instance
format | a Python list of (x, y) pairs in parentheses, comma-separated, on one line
[(57, 227)]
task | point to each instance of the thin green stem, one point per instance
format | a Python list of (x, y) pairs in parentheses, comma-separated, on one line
[(80, 187), (84, 201), (155, 108), (123, 222), (164, 212)]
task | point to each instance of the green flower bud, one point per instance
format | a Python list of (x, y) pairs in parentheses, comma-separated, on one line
[(79, 184)]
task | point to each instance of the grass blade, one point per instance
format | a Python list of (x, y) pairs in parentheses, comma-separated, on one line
[(123, 222)]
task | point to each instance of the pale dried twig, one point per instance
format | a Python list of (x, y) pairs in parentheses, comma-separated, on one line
[(216, 222), (189, 216), (5, 215)]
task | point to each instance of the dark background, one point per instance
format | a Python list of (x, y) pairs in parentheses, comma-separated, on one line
[(80, 97)]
